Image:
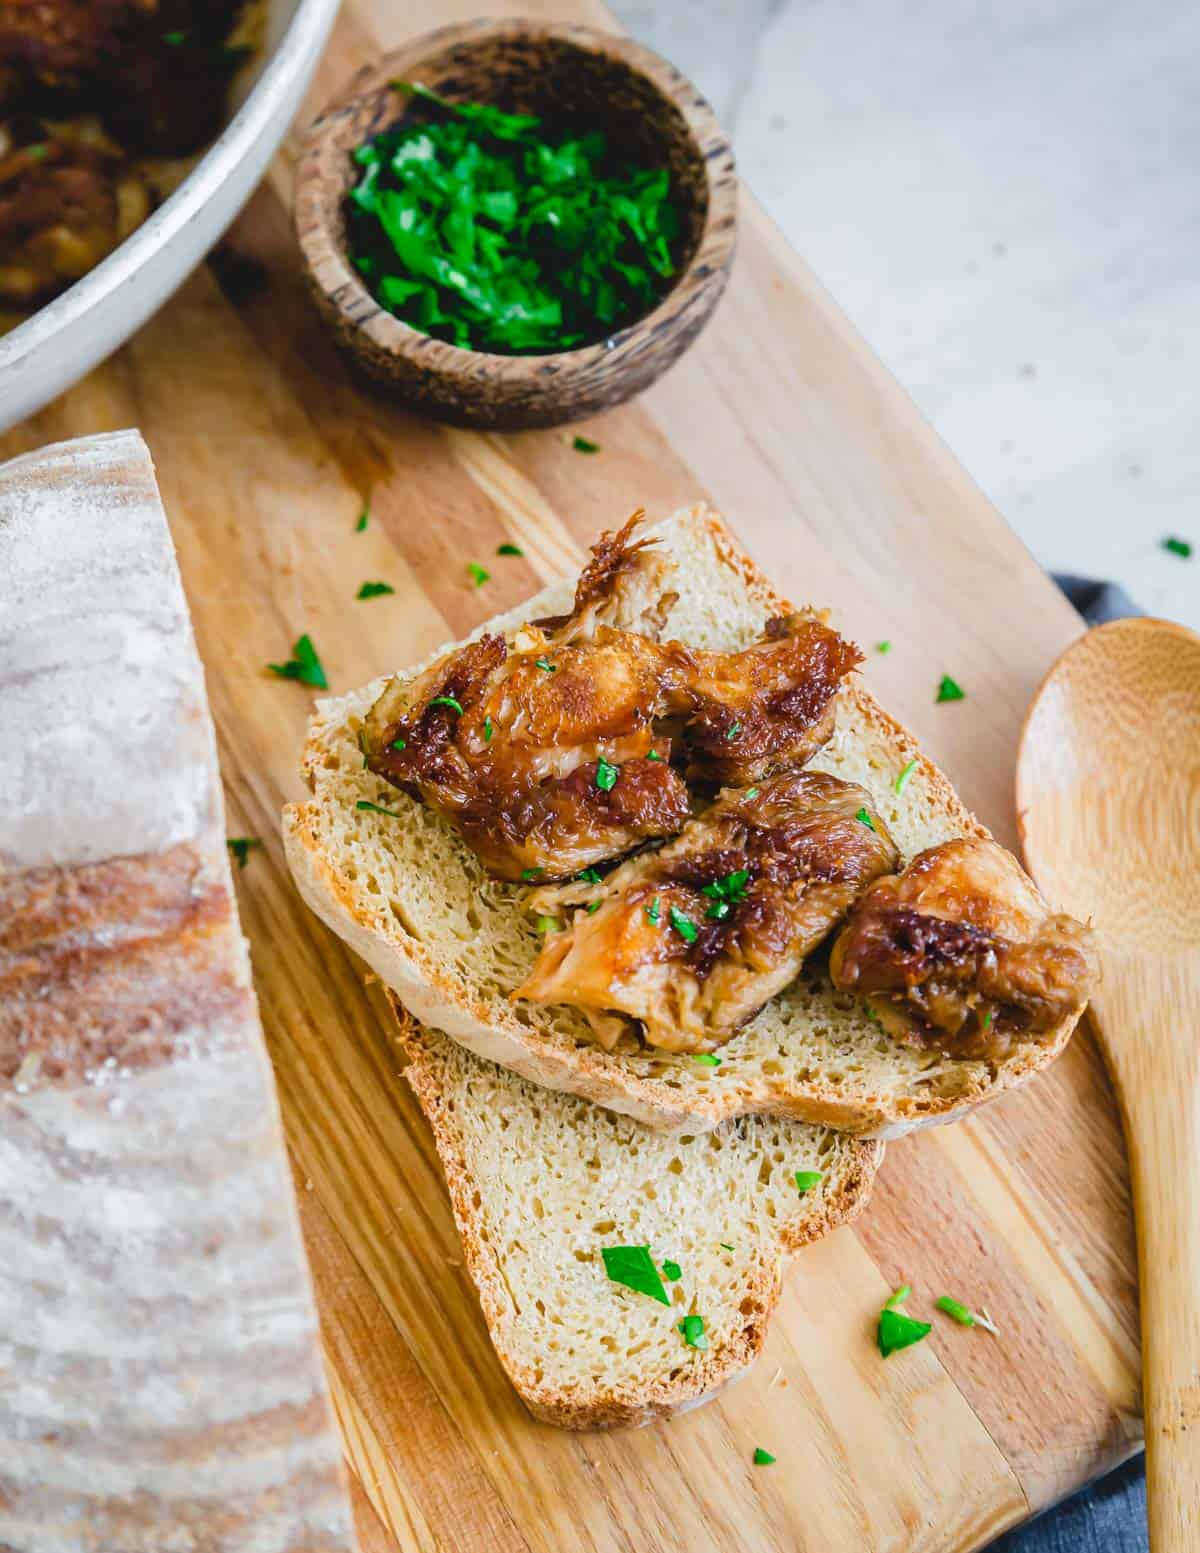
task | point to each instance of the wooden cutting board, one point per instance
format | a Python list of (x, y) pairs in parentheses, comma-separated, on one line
[(267, 447)]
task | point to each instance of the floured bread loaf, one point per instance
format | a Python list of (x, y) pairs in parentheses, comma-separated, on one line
[(163, 1384)]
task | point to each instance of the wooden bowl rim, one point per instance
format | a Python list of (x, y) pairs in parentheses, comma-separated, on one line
[(331, 272)]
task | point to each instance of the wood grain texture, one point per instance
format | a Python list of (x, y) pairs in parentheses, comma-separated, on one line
[(267, 445), (162, 1382), (1109, 795), (567, 74)]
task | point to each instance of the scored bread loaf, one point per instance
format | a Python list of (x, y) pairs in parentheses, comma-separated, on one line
[(407, 893), (541, 1181)]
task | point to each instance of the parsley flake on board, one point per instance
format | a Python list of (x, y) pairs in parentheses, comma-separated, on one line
[(807, 1179), (902, 780), (606, 775), (684, 925), (508, 549), (241, 846), (1179, 547), (450, 701), (896, 1330), (584, 445), (957, 1311), (673, 1271), (479, 574), (693, 1331), (374, 590), (883, 647), (633, 1266), (497, 233), (762, 1458), (949, 690), (304, 665)]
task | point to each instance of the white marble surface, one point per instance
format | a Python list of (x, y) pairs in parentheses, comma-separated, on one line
[(1005, 198)]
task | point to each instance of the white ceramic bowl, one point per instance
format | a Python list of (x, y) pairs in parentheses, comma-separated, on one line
[(66, 338)]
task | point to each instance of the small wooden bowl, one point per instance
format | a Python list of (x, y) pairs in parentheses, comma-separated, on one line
[(574, 76)]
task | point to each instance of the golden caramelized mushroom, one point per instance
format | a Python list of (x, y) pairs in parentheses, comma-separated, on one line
[(961, 953), (553, 751), (682, 946)]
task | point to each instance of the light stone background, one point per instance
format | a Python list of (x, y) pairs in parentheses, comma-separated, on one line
[(1004, 196)]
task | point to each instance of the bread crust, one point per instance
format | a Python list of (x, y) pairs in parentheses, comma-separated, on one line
[(492, 1030)]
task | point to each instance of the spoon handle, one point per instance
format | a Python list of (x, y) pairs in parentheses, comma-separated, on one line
[(1157, 1068)]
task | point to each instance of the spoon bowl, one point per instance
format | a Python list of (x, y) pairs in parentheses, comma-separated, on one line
[(1108, 803)]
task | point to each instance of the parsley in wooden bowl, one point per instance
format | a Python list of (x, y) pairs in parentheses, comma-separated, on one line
[(516, 223)]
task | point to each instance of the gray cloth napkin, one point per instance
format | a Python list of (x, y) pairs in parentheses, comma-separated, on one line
[(1110, 1516)]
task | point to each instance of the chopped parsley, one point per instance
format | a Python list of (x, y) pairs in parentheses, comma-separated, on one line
[(707, 1059), (653, 755), (864, 818), (546, 666), (364, 518), (652, 912), (683, 925), (1179, 547), (479, 574), (902, 780), (36, 153), (374, 590), (987, 1020), (450, 701), (733, 730), (488, 730), (399, 744), (606, 775), (584, 445), (531, 873), (949, 690), (807, 1179), (589, 876), (174, 39), (726, 892), (762, 1458), (896, 1330), (725, 1246), (752, 792), (241, 846), (593, 907), (496, 232), (507, 549), (376, 808), (304, 665), (957, 1311), (883, 647), (673, 1271), (634, 1267), (693, 1331)]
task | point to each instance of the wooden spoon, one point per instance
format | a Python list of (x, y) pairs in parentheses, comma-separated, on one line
[(1108, 800)]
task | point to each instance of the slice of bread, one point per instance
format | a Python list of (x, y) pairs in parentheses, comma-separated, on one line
[(582, 1351), (412, 899)]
